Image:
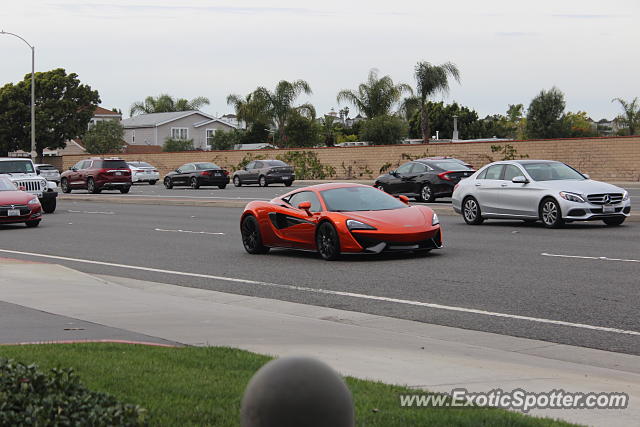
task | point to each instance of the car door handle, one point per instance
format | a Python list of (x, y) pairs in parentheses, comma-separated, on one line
[(478, 184), (503, 184)]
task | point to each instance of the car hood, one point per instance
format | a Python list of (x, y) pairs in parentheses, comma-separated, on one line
[(15, 176), (587, 186), (14, 198), (411, 216)]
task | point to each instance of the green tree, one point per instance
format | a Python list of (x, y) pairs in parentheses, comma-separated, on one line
[(544, 118), (257, 133), (578, 125), (375, 97), (165, 103), (64, 107), (516, 121), (432, 79), (631, 114), (301, 131), (383, 130), (328, 131), (250, 109), (104, 137), (280, 104), (441, 119)]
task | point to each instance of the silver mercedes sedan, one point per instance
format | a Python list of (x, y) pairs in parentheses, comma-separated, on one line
[(532, 190)]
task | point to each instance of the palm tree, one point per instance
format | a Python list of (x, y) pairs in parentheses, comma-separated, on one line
[(164, 103), (408, 107), (376, 96), (432, 79), (280, 102), (250, 109), (631, 115)]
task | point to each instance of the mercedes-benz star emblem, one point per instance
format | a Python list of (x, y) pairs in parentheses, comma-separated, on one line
[(606, 199)]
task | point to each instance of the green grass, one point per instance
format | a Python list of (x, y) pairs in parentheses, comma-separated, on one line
[(204, 385)]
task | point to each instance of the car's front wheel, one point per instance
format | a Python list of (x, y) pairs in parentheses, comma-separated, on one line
[(236, 181), (48, 205), (612, 222), (471, 211), (64, 186), (262, 181), (251, 239), (328, 242), (168, 184), (426, 194), (550, 213), (91, 186)]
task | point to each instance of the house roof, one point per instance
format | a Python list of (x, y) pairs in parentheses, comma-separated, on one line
[(209, 121), (99, 111), (157, 119)]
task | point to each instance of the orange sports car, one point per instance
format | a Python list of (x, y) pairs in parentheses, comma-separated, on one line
[(335, 219)]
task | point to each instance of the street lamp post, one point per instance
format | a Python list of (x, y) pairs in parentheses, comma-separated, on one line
[(33, 92)]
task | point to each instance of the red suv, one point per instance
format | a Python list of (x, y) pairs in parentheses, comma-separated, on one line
[(96, 175)]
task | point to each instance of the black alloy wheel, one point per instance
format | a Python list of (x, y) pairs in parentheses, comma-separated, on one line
[(236, 181), (251, 239), (471, 211), (550, 213), (328, 242), (426, 194), (64, 186), (194, 183), (168, 184), (615, 221)]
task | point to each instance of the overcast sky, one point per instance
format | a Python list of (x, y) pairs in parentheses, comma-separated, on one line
[(506, 51)]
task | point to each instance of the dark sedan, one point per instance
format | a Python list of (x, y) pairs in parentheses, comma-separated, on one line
[(424, 179), (264, 172), (196, 175)]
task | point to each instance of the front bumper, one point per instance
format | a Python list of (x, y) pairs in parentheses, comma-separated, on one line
[(377, 242), (31, 216), (574, 211)]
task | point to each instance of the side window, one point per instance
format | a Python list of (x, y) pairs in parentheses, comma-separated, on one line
[(258, 165), (419, 168), (86, 164), (250, 165), (406, 168), (511, 171), (190, 167), (306, 196), (78, 165), (482, 174), (494, 172)]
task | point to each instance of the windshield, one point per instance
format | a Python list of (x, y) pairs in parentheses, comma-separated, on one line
[(351, 199), (16, 166), (7, 185), (552, 172), (111, 164), (451, 165), (205, 166), (46, 167)]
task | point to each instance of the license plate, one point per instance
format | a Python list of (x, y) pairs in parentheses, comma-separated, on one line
[(118, 173), (285, 178), (608, 209), (13, 212)]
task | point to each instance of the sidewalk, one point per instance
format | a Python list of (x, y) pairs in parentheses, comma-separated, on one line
[(396, 351)]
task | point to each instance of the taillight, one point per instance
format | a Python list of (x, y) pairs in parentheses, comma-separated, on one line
[(444, 176), (205, 173)]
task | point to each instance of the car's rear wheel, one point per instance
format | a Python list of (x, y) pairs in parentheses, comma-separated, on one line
[(222, 186), (288, 183), (33, 223), (262, 181), (48, 205), (426, 194), (236, 181), (550, 213), (471, 211), (328, 242), (251, 239), (153, 182), (194, 183), (64, 186), (125, 190), (91, 186), (168, 184), (614, 221)]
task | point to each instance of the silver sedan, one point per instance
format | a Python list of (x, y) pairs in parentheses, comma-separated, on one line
[(533, 190)]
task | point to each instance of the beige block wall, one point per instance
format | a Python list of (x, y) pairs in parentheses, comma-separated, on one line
[(613, 158)]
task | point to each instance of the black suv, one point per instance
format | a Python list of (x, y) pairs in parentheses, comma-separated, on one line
[(265, 172), (424, 179)]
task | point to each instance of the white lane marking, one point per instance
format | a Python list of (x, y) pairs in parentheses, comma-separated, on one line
[(187, 231), (92, 212), (598, 258), (338, 293)]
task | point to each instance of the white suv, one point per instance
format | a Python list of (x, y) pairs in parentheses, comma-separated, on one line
[(22, 172)]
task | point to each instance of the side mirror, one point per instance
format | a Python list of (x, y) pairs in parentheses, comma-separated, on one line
[(37, 171), (586, 175), (404, 199), (305, 206), (73, 169), (520, 180), (393, 172)]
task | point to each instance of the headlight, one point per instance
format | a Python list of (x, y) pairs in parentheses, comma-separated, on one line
[(34, 201), (625, 196), (572, 197), (352, 224), (435, 220)]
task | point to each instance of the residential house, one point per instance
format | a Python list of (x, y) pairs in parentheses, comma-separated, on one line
[(154, 129)]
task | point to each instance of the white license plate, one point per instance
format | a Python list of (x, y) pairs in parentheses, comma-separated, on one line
[(13, 212), (608, 209), (284, 178), (118, 173)]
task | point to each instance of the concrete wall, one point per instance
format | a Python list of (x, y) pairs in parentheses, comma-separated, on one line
[(612, 158)]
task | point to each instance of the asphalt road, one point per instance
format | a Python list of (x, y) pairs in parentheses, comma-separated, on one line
[(501, 277), (253, 192)]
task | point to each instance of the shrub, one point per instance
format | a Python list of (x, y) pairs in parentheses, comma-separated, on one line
[(173, 145), (307, 165), (30, 397), (383, 130), (225, 140)]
